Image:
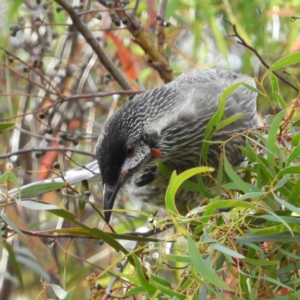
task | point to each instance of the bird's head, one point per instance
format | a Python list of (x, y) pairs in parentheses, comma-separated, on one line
[(123, 148)]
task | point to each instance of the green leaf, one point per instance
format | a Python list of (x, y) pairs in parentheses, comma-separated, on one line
[(282, 182), (7, 221), (277, 218), (290, 170), (253, 89), (58, 291), (14, 264), (287, 205), (235, 178), (160, 280), (215, 119), (262, 263), (206, 216), (286, 61), (34, 266), (42, 188), (169, 292), (164, 170), (279, 99), (202, 188), (9, 177), (276, 282), (179, 258), (225, 250), (271, 142), (188, 185), (294, 155), (106, 237), (285, 225), (251, 247), (14, 8), (220, 175), (274, 82), (227, 204), (177, 180), (229, 120), (294, 194), (130, 278), (286, 253), (249, 153), (296, 123), (6, 275), (171, 8), (236, 187), (296, 139), (284, 237), (170, 195), (273, 229), (201, 268), (62, 294), (219, 247), (150, 288), (4, 126), (252, 195), (37, 205), (93, 233), (135, 290)]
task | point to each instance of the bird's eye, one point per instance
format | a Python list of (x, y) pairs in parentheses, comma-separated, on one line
[(129, 150)]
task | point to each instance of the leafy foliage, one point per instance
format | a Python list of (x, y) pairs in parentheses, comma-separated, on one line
[(242, 243)]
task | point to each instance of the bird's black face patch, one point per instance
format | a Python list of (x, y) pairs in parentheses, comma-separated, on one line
[(111, 157), (117, 143)]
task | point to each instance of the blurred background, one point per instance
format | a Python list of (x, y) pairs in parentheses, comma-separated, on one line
[(56, 94)]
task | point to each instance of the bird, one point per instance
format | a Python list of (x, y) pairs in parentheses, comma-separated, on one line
[(166, 124)]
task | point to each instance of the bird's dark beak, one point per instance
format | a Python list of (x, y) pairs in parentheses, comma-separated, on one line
[(109, 196)]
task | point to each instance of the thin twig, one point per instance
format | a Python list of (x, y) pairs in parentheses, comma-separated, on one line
[(48, 138), (63, 149), (242, 42), (48, 234), (92, 41), (110, 286), (71, 98), (35, 70), (26, 77)]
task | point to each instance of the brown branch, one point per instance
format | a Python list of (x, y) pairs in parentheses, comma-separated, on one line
[(63, 149), (156, 60), (242, 42), (47, 234), (92, 41), (49, 138), (70, 98)]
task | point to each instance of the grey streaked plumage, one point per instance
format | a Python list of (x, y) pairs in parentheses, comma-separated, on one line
[(170, 120)]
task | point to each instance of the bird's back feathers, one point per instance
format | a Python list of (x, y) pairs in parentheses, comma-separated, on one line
[(175, 116)]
